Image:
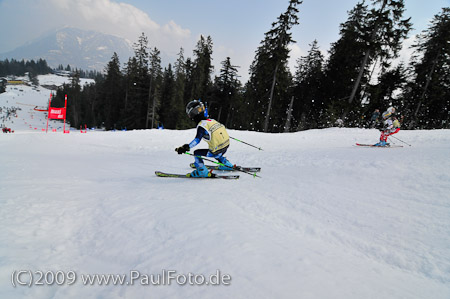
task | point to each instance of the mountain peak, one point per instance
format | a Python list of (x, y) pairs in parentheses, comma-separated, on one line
[(83, 49)]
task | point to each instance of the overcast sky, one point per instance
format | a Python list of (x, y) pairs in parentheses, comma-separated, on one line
[(235, 26)]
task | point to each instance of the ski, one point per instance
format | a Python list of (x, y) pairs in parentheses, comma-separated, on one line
[(186, 176), (372, 145), (245, 169)]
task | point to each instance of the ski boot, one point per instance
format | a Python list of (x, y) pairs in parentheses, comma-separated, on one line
[(227, 165), (200, 172), (381, 143)]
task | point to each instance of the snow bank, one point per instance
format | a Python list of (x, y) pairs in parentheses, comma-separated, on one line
[(326, 220)]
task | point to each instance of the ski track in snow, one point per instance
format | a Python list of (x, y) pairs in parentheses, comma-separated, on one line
[(326, 220)]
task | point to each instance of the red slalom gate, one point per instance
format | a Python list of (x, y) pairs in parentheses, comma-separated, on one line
[(85, 129), (57, 113)]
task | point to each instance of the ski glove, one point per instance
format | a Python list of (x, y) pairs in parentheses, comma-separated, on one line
[(182, 149)]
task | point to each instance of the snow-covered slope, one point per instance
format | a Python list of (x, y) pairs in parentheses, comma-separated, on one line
[(326, 220), (25, 99)]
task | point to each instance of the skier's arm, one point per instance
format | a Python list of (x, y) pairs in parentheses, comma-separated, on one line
[(200, 133), (186, 147)]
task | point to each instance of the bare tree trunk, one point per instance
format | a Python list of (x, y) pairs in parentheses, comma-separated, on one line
[(274, 80), (153, 110), (287, 126), (220, 114), (148, 104), (228, 119)]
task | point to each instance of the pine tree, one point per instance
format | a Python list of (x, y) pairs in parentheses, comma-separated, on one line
[(33, 78), (76, 101), (387, 30), (343, 64), (142, 55), (112, 97), (431, 64), (178, 108), (202, 69), (189, 83), (19, 68), (130, 115), (308, 101), (366, 37), (74, 94), (154, 86), (167, 99), (136, 99), (90, 99), (228, 90), (270, 79)]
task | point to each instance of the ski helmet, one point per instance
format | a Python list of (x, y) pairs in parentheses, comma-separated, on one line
[(391, 110), (195, 108)]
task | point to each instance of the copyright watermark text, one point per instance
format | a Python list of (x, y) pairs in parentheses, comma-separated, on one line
[(21, 278)]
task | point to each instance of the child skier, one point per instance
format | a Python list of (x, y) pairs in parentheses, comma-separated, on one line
[(213, 132), (391, 126)]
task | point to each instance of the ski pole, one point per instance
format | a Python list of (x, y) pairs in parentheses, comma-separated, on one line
[(400, 140), (246, 143), (200, 157)]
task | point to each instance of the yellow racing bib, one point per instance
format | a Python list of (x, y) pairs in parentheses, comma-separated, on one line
[(218, 138)]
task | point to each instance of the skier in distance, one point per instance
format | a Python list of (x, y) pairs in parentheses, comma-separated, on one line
[(391, 126)]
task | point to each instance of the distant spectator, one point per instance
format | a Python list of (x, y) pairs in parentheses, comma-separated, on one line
[(374, 119)]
